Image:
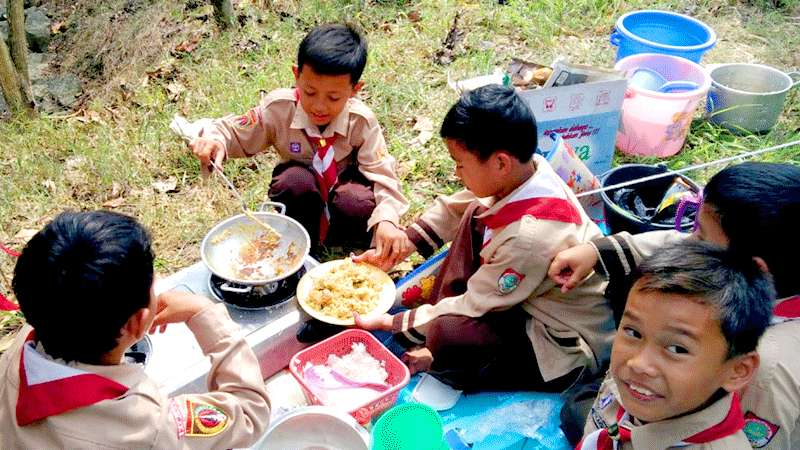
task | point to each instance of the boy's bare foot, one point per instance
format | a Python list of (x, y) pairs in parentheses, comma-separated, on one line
[(418, 359)]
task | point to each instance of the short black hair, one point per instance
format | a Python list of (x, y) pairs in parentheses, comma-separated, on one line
[(733, 284), (334, 49), (758, 205), (492, 118), (80, 279)]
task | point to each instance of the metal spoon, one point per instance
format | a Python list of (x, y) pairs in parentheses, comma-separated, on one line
[(246, 211)]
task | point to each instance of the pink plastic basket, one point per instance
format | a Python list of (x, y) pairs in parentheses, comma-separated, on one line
[(341, 344)]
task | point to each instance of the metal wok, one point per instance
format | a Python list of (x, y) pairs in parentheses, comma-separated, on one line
[(222, 246)]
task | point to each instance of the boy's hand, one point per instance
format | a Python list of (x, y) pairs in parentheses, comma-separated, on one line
[(382, 322), (572, 265), (418, 359), (391, 246), (177, 307), (207, 151)]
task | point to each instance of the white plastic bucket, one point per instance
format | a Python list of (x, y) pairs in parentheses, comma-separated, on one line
[(656, 123)]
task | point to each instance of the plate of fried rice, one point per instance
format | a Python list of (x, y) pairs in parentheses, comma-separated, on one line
[(333, 291)]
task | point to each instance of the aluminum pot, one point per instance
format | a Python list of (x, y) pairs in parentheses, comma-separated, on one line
[(748, 97), (315, 427), (220, 248)]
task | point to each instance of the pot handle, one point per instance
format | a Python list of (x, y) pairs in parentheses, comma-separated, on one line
[(615, 38), (280, 207), (228, 288), (795, 76)]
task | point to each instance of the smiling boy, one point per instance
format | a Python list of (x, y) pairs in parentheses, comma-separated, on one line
[(686, 344), (335, 175)]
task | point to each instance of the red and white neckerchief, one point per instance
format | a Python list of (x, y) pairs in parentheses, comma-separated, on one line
[(610, 438), (786, 310), (325, 172), (47, 388), (541, 197)]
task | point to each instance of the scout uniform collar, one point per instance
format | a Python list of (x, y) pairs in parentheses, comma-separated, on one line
[(611, 436), (339, 125), (541, 196), (48, 388), (786, 309)]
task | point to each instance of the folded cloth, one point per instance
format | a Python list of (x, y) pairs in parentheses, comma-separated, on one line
[(188, 131)]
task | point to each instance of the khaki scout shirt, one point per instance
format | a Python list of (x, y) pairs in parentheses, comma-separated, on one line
[(771, 402), (279, 122), (143, 417), (567, 330), (665, 434)]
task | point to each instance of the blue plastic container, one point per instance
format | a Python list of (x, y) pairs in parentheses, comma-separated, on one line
[(669, 33)]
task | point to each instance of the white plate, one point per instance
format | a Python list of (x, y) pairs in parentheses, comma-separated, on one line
[(385, 300)]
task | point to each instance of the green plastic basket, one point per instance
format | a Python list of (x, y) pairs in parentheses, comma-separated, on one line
[(410, 426)]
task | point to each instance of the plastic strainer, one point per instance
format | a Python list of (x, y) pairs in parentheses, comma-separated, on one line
[(410, 426)]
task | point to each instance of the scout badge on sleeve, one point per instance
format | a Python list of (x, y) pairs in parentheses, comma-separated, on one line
[(509, 280), (758, 431), (249, 119), (204, 420)]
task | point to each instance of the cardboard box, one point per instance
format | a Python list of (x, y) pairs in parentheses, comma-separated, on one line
[(585, 115)]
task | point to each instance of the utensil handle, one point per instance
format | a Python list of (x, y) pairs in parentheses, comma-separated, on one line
[(228, 182), (795, 76), (280, 207), (228, 288)]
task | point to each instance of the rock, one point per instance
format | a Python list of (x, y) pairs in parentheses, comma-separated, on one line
[(4, 31), (37, 65), (3, 106), (37, 29), (65, 89)]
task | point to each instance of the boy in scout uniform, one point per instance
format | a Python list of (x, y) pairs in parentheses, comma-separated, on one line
[(84, 283), (335, 175), (753, 207), (496, 321), (685, 346)]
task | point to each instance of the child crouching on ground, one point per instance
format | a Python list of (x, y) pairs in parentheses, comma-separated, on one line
[(85, 285), (752, 208), (685, 345), (335, 175), (496, 321)]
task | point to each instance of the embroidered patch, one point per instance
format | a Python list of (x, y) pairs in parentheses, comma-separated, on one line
[(509, 281), (248, 120), (605, 401), (758, 431), (204, 419), (294, 147)]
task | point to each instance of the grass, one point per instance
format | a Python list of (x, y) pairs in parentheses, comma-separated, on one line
[(120, 144)]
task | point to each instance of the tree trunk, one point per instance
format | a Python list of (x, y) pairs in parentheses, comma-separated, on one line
[(18, 41), (19, 54), (9, 82), (223, 12)]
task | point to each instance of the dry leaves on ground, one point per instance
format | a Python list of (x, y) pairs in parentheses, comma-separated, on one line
[(424, 125), (166, 186)]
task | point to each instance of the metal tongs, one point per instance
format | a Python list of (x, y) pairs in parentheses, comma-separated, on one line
[(246, 210)]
